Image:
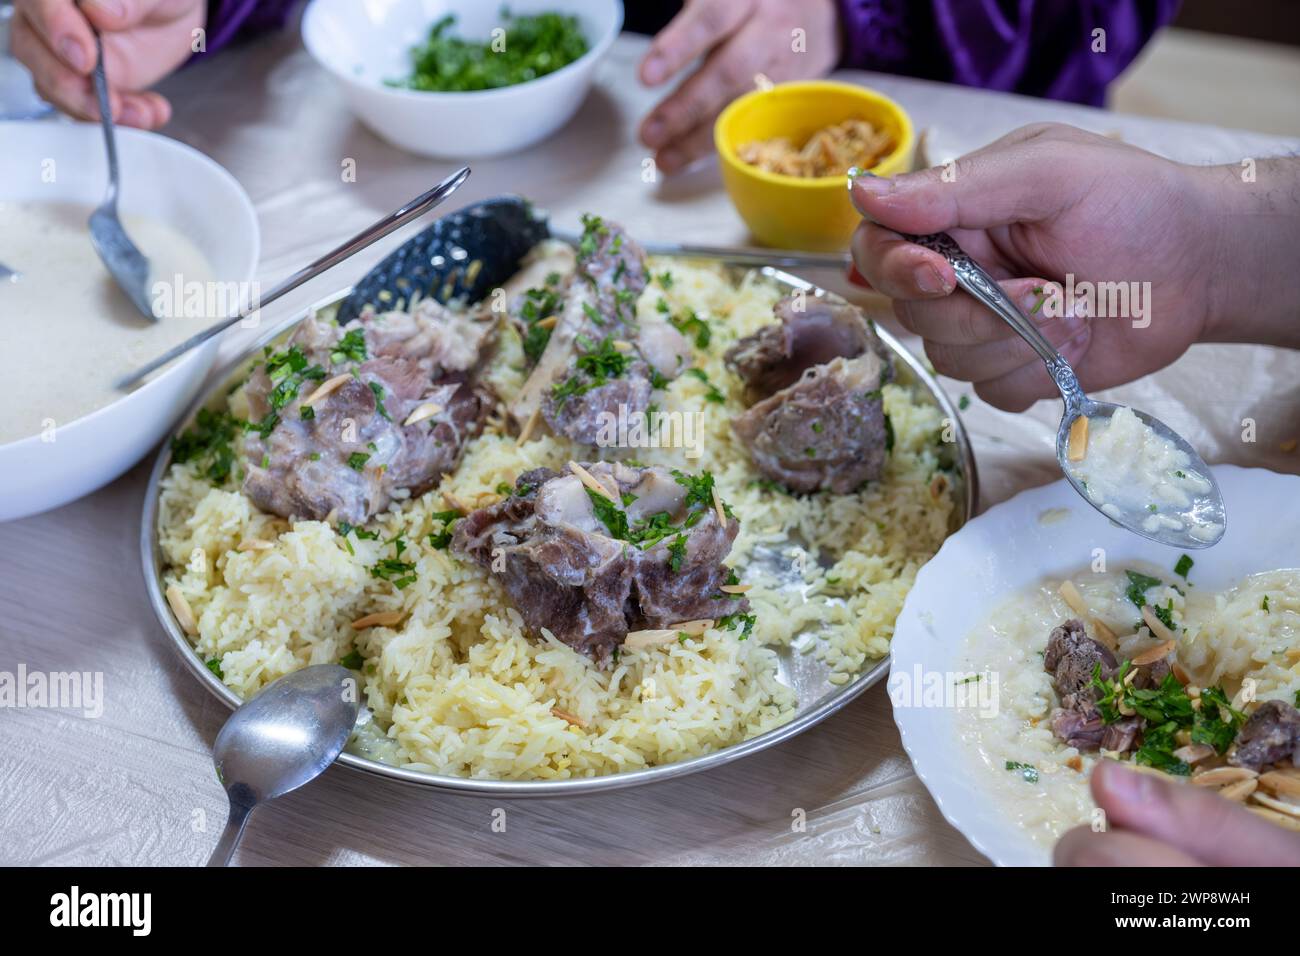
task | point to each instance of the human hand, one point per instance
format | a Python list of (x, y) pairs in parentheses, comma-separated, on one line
[(1153, 822), (1050, 200), (737, 39), (144, 40)]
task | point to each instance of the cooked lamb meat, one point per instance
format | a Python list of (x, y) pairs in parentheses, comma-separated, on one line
[(1082, 729), (590, 568), (819, 423), (825, 328), (343, 455), (1272, 733), (596, 340), (1071, 658), (825, 432)]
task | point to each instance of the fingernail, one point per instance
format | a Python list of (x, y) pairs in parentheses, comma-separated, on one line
[(654, 132), (73, 54), (870, 183), (1128, 785), (930, 280), (656, 70)]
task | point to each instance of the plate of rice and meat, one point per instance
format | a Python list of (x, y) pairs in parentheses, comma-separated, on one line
[(1073, 641), (577, 519)]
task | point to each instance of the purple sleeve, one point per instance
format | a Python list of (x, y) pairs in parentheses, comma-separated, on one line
[(230, 19), (1037, 47)]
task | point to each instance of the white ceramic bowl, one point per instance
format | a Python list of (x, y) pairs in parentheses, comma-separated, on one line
[(1047, 532), (163, 180), (364, 44)]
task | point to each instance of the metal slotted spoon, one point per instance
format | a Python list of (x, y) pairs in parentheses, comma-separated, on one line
[(1205, 510), (125, 263)]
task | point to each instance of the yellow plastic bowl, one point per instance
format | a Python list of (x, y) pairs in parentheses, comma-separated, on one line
[(792, 212)]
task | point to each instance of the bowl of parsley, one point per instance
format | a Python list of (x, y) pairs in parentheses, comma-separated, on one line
[(462, 78)]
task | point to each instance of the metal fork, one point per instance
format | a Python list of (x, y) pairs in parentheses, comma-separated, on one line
[(125, 263)]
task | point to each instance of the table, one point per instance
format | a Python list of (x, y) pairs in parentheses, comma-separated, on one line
[(136, 785)]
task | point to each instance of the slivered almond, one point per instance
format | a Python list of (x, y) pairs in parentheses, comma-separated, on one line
[(717, 505), (454, 503), (1281, 782), (181, 608), (378, 619), (548, 322), (526, 432), (1281, 819), (588, 479), (1157, 626), (1075, 763), (1183, 677), (694, 628), (1149, 771), (569, 718), (1193, 753), (734, 588), (1240, 790), (325, 387), (938, 485), (1222, 776), (1105, 634), (639, 640), (1293, 653), (255, 544), (1071, 596), (1077, 445), (622, 345), (1153, 654), (1281, 806), (421, 412)]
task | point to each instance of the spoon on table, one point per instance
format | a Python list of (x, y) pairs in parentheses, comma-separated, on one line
[(1206, 511), (399, 217), (125, 263), (281, 739)]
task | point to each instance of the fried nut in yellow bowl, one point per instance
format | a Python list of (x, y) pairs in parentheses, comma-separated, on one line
[(794, 212)]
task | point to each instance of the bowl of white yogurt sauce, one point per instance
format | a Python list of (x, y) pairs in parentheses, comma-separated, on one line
[(70, 333)]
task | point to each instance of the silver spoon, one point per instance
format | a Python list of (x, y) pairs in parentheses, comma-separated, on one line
[(1206, 511), (415, 208), (125, 263), (284, 737)]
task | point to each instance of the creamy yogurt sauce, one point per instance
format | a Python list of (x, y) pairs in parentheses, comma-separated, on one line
[(1128, 468), (69, 331)]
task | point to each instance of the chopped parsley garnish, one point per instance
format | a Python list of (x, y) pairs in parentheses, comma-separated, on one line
[(665, 279), (1263, 605), (439, 540), (745, 622), (394, 569), (889, 434), (378, 391), (609, 514), (532, 46), (1026, 770), (677, 552), (350, 348), (593, 227), (713, 394), (963, 403), (693, 327), (357, 460), (353, 661), (207, 443), (307, 413), (1183, 566), (599, 363), (1139, 584), (592, 313), (1216, 723), (214, 664)]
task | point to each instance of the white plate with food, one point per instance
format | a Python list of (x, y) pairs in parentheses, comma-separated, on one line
[(565, 610), (1042, 638), (64, 427)]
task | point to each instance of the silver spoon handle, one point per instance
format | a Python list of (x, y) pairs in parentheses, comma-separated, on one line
[(394, 220), (105, 117), (235, 823), (982, 286)]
